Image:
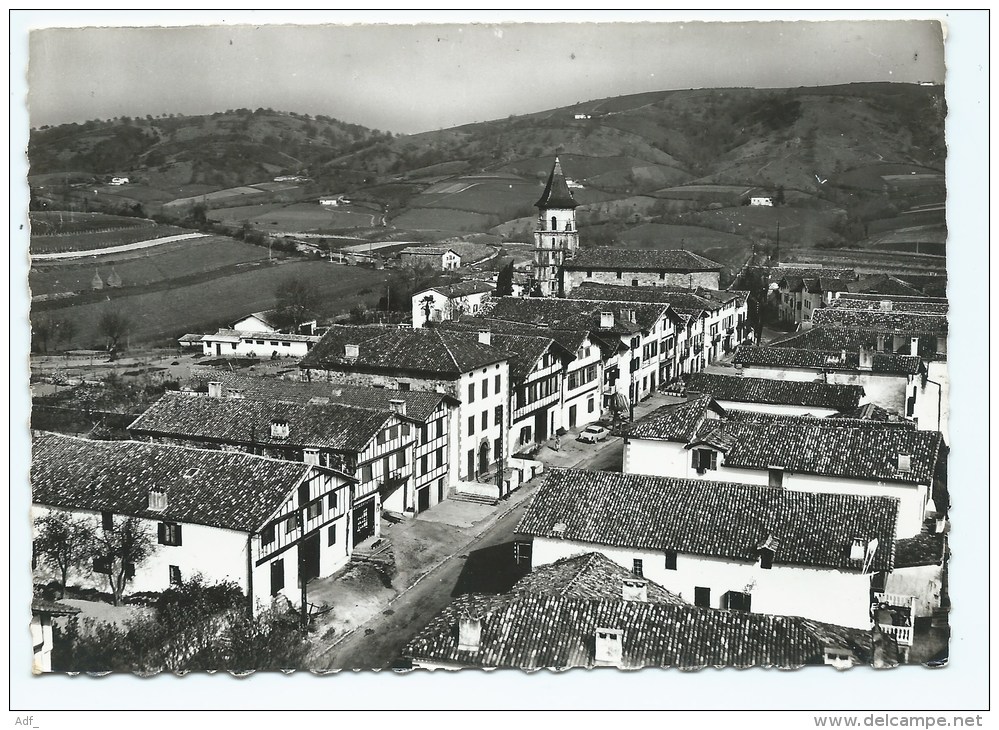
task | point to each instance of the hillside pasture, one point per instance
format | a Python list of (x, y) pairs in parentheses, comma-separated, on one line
[(802, 226), (486, 196), (441, 219), (725, 248), (725, 194), (146, 267), (162, 315), (54, 223), (299, 217)]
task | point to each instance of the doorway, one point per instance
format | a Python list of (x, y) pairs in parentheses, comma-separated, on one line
[(483, 457), (308, 558), (423, 499), (364, 521)]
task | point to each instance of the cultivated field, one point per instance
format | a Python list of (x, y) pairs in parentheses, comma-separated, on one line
[(441, 219), (101, 240), (161, 315), (300, 217)]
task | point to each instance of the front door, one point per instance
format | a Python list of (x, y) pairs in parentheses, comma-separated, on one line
[(308, 557), (541, 426), (364, 521), (483, 457), (423, 499), (218, 348), (572, 416)]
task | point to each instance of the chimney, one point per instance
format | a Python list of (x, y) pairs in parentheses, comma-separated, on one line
[(397, 405), (886, 305), (469, 633), (607, 649), (913, 346), (311, 456), (606, 320), (904, 463), (858, 550), (866, 358), (351, 351), (635, 589), (156, 500), (279, 429), (842, 356), (485, 338), (559, 529), (214, 389), (881, 342)]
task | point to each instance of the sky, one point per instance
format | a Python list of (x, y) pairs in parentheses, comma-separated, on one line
[(411, 78)]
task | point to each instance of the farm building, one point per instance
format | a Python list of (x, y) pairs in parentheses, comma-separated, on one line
[(439, 259), (233, 343), (640, 267), (764, 200), (264, 524), (450, 302), (273, 320)]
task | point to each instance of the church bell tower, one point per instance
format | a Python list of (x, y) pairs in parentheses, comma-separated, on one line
[(555, 237)]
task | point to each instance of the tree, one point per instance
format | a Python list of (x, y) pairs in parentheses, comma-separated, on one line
[(779, 198), (114, 325), (121, 549), (295, 298), (64, 542), (504, 281)]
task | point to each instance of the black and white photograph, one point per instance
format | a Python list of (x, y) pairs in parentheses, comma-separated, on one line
[(499, 345)]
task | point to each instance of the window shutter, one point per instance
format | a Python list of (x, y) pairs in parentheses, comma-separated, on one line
[(714, 460), (695, 461), (161, 533), (178, 541)]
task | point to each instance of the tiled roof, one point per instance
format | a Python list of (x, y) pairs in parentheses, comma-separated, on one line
[(906, 305), (230, 335), (779, 272), (216, 488), (814, 284), (883, 284), (901, 323), (590, 575), (248, 421), (712, 519), (524, 351), (571, 340), (829, 338), (537, 631), (425, 250), (460, 289), (672, 422), (52, 608), (190, 338), (420, 405), (812, 447), (775, 392), (277, 319), (923, 549), (870, 412), (639, 259), (576, 314), (426, 350), (834, 421), (686, 301), (789, 357), (557, 193)]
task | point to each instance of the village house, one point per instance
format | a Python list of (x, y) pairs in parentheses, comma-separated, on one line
[(265, 524), (273, 320), (450, 302), (428, 359), (42, 613), (915, 592), (721, 545), (234, 343), (434, 416), (641, 335), (801, 295), (435, 257), (374, 447), (699, 439), (586, 611), (886, 378), (640, 267), (788, 397)]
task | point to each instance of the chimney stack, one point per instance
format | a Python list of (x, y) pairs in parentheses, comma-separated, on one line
[(635, 589), (606, 320), (280, 429), (866, 358), (608, 650), (485, 338), (913, 346), (156, 500), (905, 463), (886, 305), (311, 456), (214, 389), (351, 351), (469, 633), (397, 405)]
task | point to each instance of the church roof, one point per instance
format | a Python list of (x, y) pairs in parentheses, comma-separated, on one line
[(557, 193)]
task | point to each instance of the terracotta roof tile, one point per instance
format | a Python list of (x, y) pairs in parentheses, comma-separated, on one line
[(635, 259), (789, 357), (591, 575), (870, 320), (776, 392)]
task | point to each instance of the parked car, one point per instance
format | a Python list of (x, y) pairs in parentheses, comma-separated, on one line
[(593, 433)]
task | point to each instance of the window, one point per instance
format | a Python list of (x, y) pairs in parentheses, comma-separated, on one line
[(366, 473), (589, 274), (471, 392), (314, 510), (168, 533), (175, 575), (332, 501), (267, 535), (634, 282), (671, 560), (439, 461), (590, 405), (736, 601), (498, 415), (403, 386), (636, 567), (704, 459), (485, 420), (331, 536), (776, 477), (662, 275), (290, 524), (498, 448), (766, 558), (405, 429), (619, 275), (277, 576), (497, 382), (303, 494), (702, 597), (471, 425), (107, 520), (401, 459), (485, 387), (424, 464)]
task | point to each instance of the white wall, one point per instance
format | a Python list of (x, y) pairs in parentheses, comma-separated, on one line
[(823, 594), (923, 582), (778, 408), (475, 408), (707, 279), (249, 346), (887, 391)]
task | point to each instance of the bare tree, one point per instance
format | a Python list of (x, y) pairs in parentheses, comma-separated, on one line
[(65, 542), (114, 325), (121, 549), (295, 298)]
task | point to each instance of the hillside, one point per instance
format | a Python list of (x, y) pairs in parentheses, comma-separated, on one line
[(855, 165)]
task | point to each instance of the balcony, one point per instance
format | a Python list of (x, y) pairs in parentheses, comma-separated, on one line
[(393, 481), (894, 616)]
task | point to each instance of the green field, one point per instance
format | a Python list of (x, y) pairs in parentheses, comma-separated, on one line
[(803, 226), (144, 267), (162, 315), (57, 222), (300, 217), (104, 239), (441, 219)]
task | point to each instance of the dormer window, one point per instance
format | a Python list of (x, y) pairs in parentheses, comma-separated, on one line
[(703, 460)]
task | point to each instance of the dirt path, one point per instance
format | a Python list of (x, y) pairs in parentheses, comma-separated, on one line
[(115, 249)]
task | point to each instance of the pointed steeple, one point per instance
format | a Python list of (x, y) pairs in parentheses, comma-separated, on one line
[(557, 193)]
